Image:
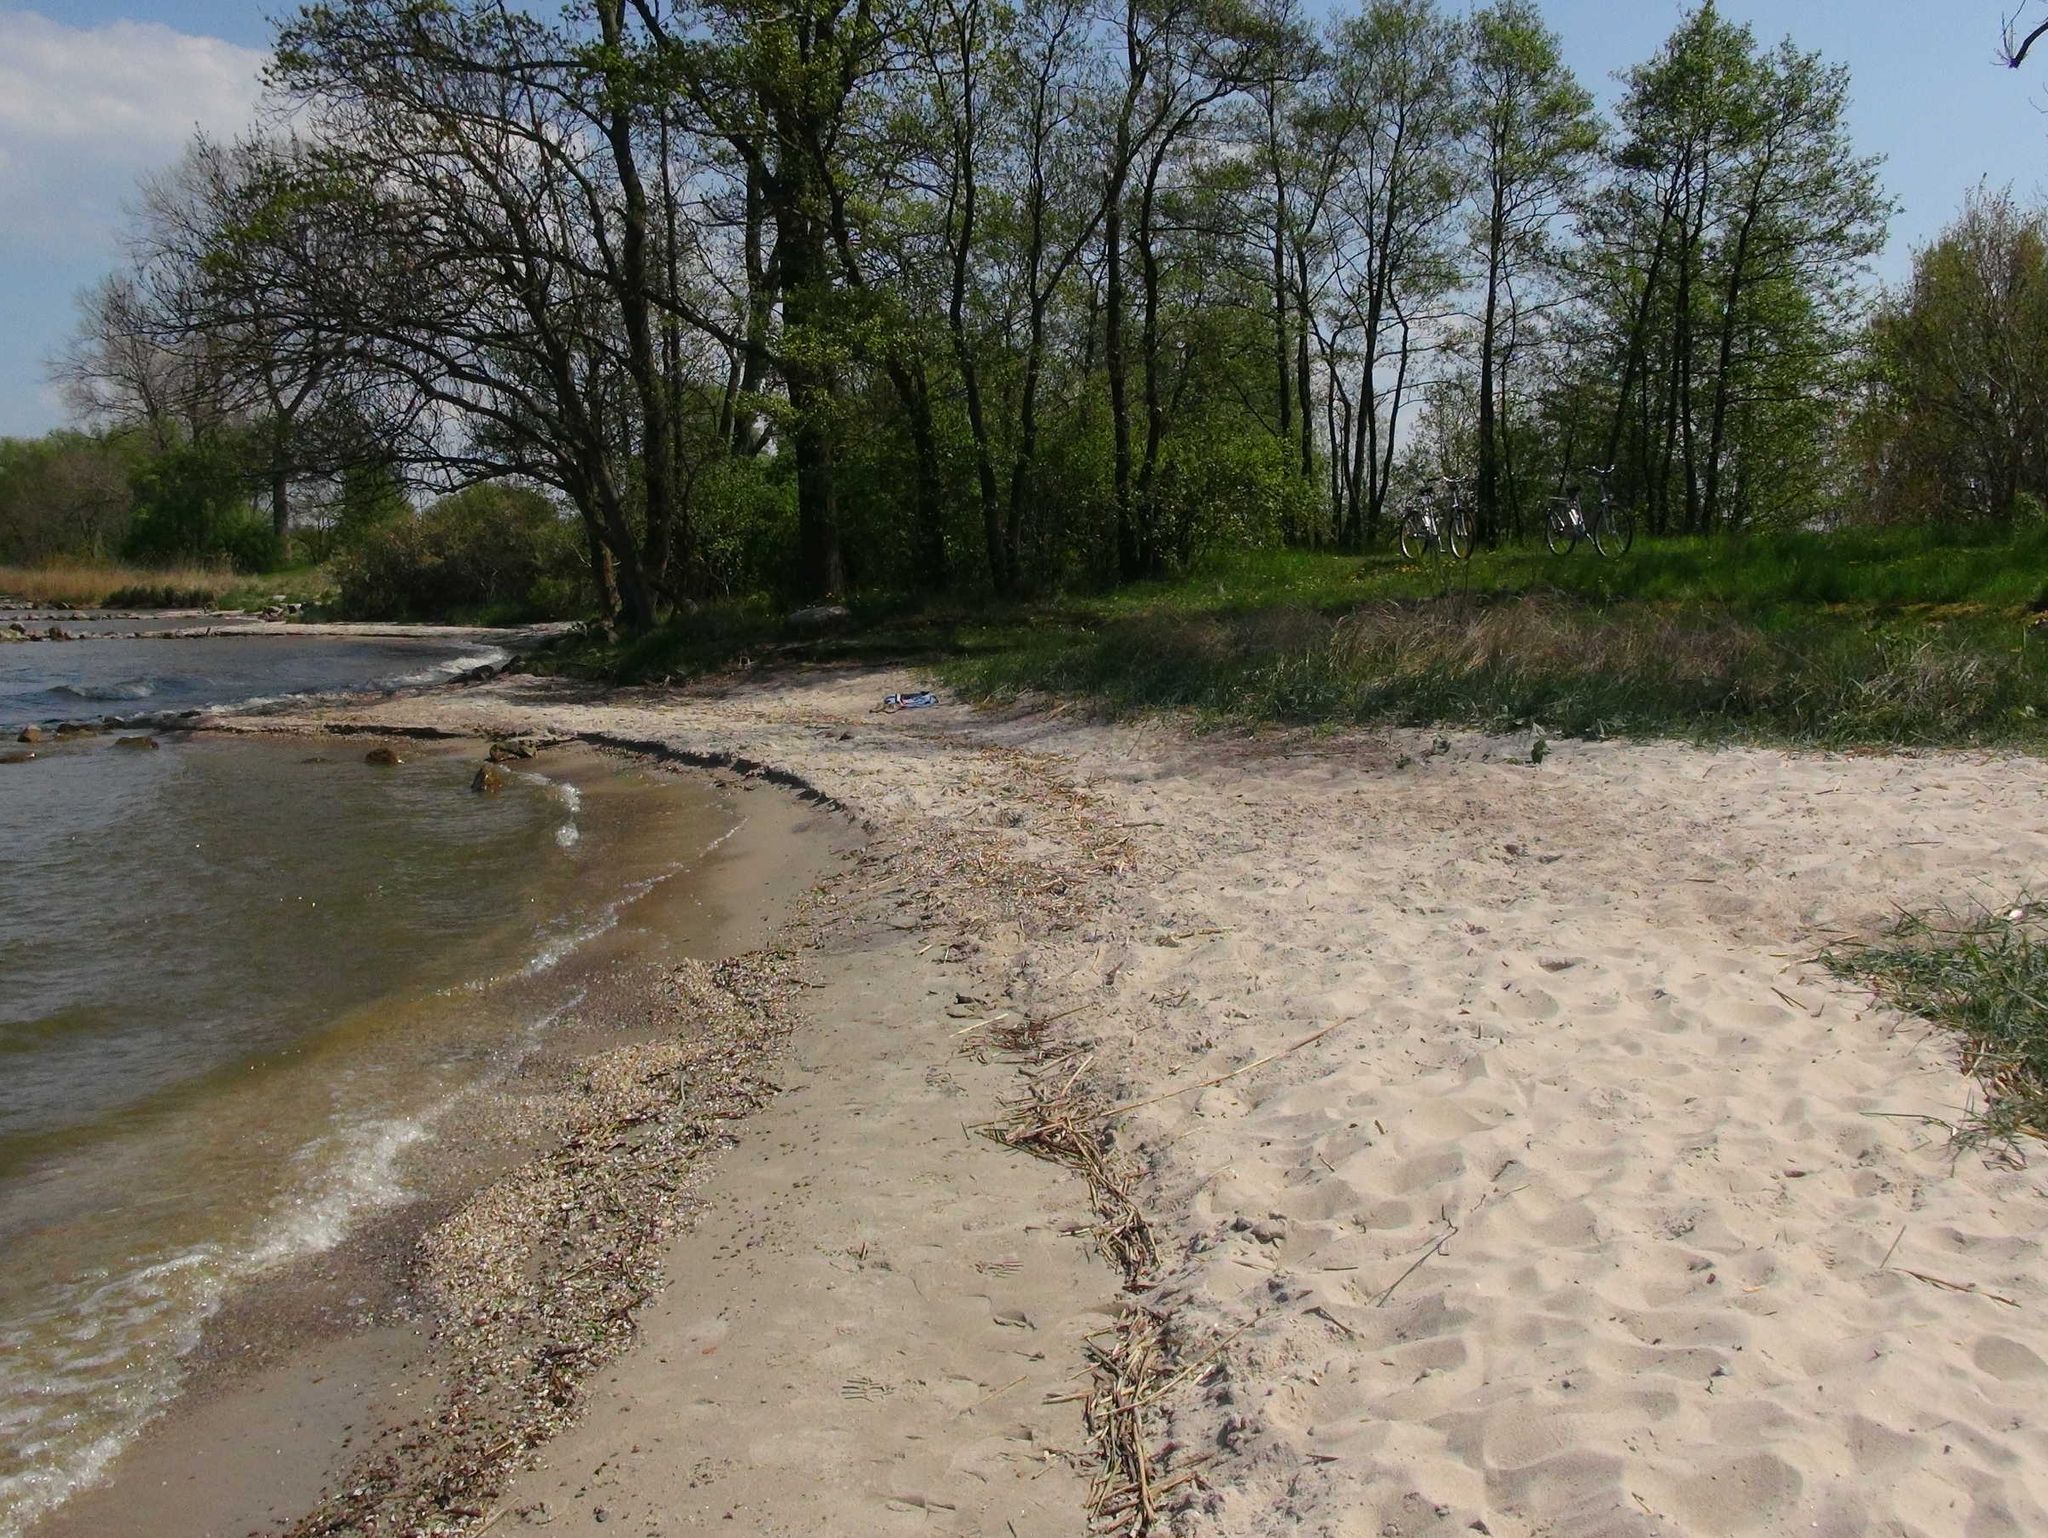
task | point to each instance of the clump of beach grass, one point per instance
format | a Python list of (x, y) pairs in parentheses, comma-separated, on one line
[(1504, 662), (1982, 975)]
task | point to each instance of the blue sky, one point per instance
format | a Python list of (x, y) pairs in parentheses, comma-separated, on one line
[(96, 93)]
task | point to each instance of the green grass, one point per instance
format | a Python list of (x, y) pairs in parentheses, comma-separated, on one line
[(1983, 976), (1843, 640), (1861, 639)]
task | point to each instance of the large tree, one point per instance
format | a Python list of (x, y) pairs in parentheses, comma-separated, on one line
[(1956, 424), (1535, 137)]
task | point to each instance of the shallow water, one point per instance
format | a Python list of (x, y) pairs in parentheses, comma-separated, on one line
[(239, 979), (64, 680)]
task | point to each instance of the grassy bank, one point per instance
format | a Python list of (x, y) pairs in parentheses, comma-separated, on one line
[(1841, 640), (1844, 640), (143, 587), (1983, 976)]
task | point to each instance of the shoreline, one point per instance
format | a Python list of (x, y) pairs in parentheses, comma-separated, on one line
[(339, 1341), (1499, 1164)]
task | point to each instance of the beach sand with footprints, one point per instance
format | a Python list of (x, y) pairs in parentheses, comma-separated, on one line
[(1370, 1134)]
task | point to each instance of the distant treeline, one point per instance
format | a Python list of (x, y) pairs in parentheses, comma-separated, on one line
[(924, 293)]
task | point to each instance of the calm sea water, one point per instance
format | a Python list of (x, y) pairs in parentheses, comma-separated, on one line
[(44, 681), (239, 979)]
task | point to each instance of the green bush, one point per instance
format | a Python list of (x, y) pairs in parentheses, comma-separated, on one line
[(492, 551), (192, 504)]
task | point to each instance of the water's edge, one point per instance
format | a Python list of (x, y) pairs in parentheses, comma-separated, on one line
[(297, 1358)]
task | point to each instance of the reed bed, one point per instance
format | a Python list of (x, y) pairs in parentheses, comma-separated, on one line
[(118, 587)]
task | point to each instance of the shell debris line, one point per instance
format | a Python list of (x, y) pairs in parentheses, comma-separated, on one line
[(532, 1284)]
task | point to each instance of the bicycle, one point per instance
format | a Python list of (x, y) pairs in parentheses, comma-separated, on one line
[(1609, 524), (1438, 519)]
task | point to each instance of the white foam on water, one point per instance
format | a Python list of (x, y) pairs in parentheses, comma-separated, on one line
[(125, 1323), (568, 835), (441, 672)]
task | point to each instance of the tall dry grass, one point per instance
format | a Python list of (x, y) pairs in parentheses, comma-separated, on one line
[(117, 586)]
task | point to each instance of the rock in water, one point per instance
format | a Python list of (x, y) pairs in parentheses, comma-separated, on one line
[(30, 734), (16, 758), (490, 779), (511, 748), (146, 744), (386, 757)]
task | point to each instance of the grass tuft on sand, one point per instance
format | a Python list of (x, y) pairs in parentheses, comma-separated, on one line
[(1984, 976)]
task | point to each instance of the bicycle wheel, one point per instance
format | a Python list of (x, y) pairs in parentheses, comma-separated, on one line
[(1413, 540), (1559, 532), (1458, 533), (1616, 532)]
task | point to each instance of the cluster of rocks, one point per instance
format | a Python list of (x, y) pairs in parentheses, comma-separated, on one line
[(32, 737), (20, 632), (489, 778)]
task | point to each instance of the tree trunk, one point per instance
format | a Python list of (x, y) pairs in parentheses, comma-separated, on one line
[(635, 302), (1282, 384), (1129, 556), (1731, 303), (800, 244), (1489, 464)]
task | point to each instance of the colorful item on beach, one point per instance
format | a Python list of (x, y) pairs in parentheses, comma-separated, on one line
[(909, 701)]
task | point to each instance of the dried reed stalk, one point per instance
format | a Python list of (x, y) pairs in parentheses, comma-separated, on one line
[(1060, 1119)]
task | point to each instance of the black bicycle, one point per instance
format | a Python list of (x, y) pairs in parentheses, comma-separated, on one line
[(1609, 524), (1437, 519)]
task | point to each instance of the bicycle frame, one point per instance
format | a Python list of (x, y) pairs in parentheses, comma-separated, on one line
[(1606, 523)]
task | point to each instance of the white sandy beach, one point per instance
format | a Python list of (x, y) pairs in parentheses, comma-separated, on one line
[(1599, 1211)]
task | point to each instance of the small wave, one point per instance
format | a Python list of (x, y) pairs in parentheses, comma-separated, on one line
[(126, 689), (350, 1173), (568, 835), (441, 672), (558, 949)]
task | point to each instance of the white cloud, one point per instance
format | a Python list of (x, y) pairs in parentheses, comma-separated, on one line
[(85, 111)]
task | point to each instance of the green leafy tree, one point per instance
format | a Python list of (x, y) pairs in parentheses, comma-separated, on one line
[(1956, 423), (1535, 138), (192, 504)]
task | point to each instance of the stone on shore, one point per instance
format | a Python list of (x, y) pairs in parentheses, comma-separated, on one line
[(140, 744), (30, 734)]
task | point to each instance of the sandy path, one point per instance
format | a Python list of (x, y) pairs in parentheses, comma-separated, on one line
[(1578, 1224)]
